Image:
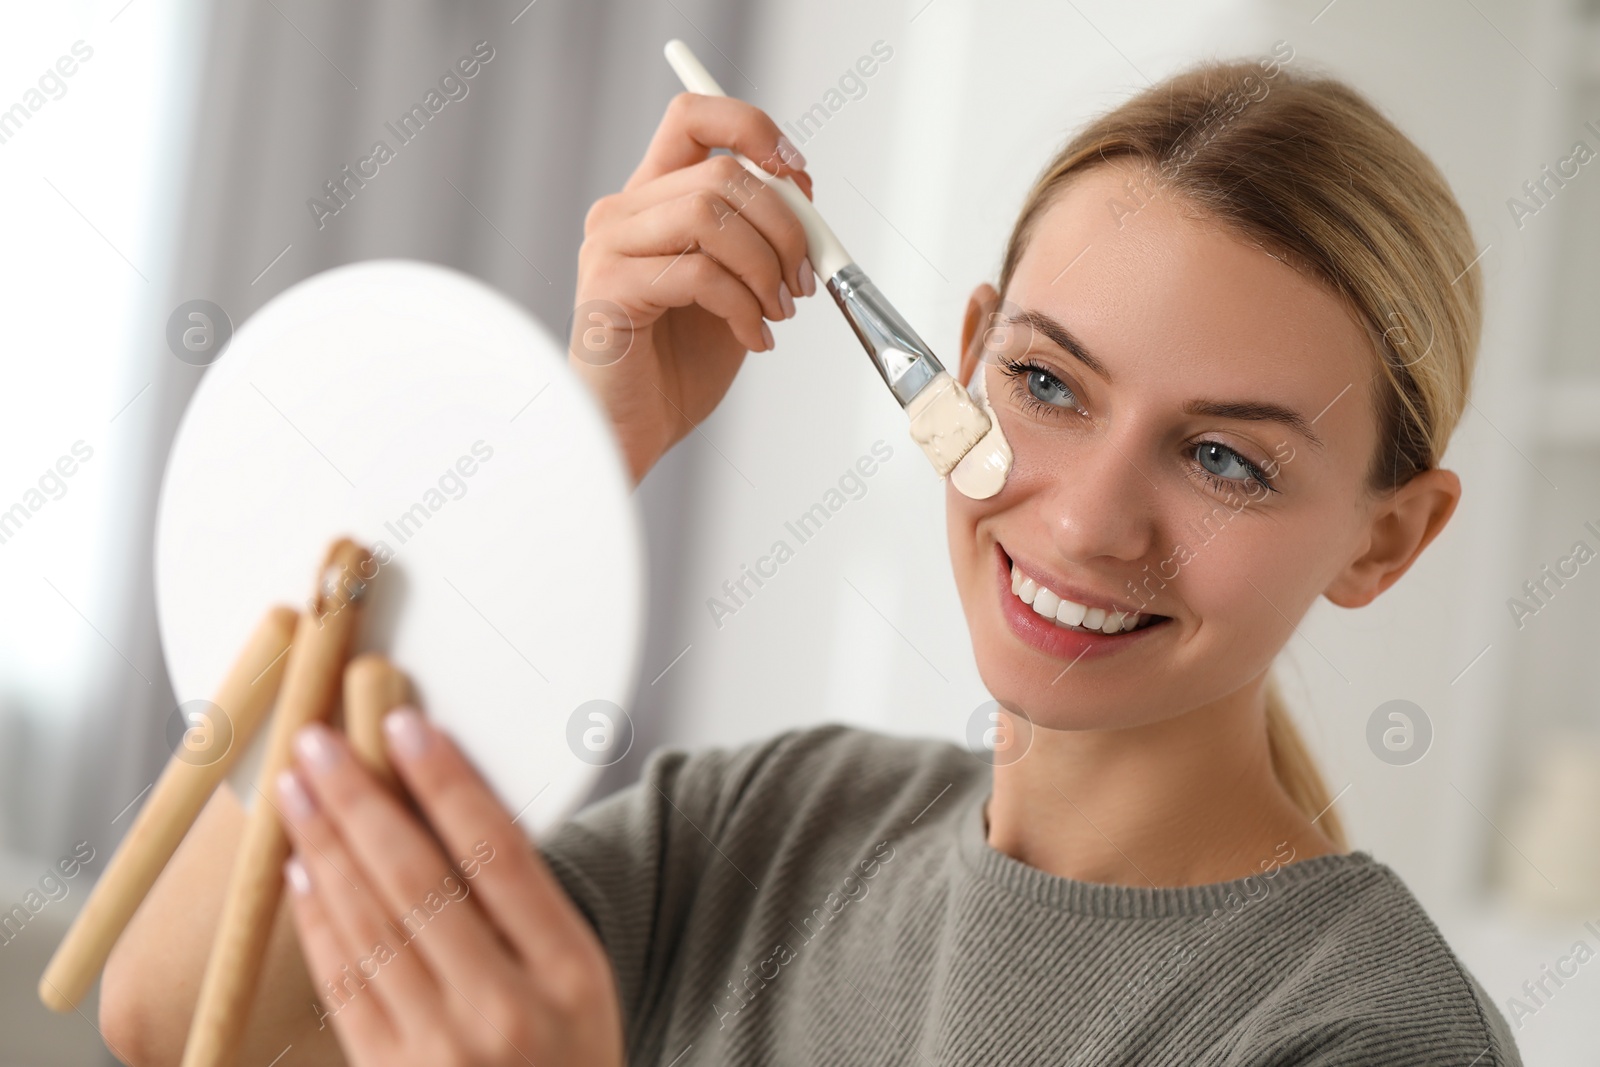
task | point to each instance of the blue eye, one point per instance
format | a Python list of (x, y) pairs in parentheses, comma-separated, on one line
[(1223, 465), (1221, 461), (1049, 389), (1036, 388)]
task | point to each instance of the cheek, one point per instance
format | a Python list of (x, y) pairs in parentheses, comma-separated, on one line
[(962, 515), (1047, 450), (971, 526), (1250, 586)]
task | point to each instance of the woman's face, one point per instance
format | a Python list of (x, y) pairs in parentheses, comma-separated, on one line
[(1192, 426)]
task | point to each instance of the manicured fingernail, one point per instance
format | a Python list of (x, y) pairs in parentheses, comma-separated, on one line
[(293, 796), (785, 300), (790, 154), (407, 733), (766, 335), (299, 879), (316, 748), (808, 278)]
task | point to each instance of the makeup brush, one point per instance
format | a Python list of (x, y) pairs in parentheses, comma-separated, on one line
[(945, 421)]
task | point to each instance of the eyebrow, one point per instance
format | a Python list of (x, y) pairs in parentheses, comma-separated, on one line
[(1255, 411), (1246, 410), (1039, 321)]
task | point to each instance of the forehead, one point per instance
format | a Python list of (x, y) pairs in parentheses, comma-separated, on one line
[(1165, 296)]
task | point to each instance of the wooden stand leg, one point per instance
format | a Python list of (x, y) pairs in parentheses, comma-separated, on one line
[(322, 644), (372, 688), (185, 785)]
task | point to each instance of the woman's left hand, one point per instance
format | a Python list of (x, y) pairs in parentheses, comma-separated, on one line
[(420, 961)]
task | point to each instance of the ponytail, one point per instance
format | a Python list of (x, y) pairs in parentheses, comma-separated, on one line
[(1296, 770)]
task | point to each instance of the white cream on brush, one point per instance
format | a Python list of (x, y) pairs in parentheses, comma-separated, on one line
[(982, 471)]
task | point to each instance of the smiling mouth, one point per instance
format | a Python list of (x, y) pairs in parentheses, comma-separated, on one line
[(1071, 615)]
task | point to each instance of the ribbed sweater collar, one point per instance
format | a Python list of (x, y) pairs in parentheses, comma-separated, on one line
[(991, 865)]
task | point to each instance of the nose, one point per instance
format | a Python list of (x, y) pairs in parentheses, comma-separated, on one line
[(1097, 502)]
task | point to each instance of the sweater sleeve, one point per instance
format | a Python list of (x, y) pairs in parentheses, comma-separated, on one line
[(1384, 989), (1408, 1043), (632, 861)]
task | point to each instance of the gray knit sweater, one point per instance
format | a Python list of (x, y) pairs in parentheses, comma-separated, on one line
[(828, 896)]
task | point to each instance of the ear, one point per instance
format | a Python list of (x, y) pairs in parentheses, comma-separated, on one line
[(1402, 525), (981, 308)]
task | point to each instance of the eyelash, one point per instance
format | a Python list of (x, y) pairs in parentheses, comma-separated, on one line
[(1018, 370)]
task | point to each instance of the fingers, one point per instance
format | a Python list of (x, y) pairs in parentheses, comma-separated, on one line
[(661, 282), (693, 125), (348, 898), (744, 194), (411, 879), (703, 222), (357, 1017), (517, 890), (516, 970)]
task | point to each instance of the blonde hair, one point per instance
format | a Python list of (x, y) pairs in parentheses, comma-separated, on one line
[(1307, 167)]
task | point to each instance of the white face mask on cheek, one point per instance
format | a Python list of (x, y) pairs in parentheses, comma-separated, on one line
[(983, 471), (986, 467)]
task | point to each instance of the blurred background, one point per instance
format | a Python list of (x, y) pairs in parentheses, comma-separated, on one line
[(154, 152)]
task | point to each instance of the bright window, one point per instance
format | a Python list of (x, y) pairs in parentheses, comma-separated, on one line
[(91, 165)]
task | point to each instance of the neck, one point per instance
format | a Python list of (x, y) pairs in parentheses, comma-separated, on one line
[(1186, 801)]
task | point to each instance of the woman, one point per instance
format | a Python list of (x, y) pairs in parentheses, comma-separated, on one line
[(1232, 333)]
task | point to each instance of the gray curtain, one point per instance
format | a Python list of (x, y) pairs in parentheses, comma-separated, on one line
[(561, 105)]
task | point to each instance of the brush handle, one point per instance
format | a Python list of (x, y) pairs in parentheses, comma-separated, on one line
[(175, 802), (945, 423), (827, 254), (322, 642)]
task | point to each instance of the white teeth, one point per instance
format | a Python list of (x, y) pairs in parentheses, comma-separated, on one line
[(1070, 613)]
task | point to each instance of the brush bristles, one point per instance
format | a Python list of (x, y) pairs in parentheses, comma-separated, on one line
[(945, 422)]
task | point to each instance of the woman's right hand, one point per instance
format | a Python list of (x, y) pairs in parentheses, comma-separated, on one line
[(678, 271)]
